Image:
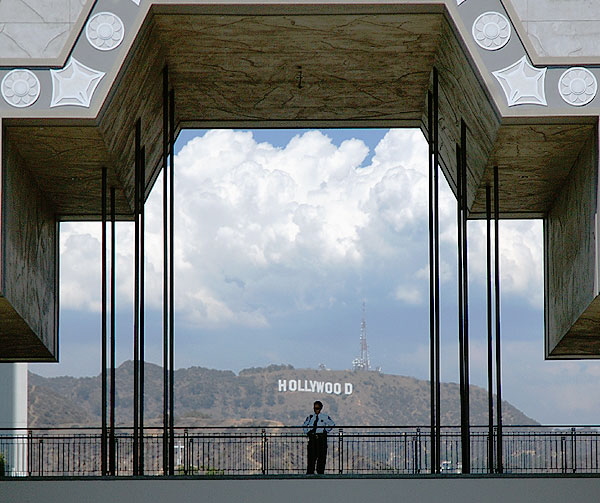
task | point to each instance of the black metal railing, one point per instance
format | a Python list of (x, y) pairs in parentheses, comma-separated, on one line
[(282, 451)]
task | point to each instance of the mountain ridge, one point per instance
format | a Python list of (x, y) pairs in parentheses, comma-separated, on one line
[(277, 395)]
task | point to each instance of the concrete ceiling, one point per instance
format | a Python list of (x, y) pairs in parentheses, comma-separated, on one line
[(346, 69)]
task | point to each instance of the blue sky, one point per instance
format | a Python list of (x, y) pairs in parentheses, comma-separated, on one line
[(280, 237)]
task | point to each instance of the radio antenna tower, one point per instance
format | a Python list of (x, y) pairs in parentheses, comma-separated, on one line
[(363, 362)]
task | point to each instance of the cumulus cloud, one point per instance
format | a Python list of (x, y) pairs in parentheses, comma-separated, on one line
[(264, 230), (521, 257)]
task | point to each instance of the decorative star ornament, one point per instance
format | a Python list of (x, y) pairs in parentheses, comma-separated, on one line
[(458, 2), (522, 83), (74, 84)]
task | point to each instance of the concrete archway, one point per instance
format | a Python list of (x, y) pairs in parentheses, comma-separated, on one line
[(283, 65)]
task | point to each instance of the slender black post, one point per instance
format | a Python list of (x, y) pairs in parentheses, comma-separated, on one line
[(136, 320), (113, 289), (466, 468), (460, 279), (436, 228), (142, 336), (172, 282), (499, 460), (490, 383), (104, 446), (432, 355), (165, 158)]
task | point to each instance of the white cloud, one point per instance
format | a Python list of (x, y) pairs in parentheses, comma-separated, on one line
[(521, 256), (273, 229), (409, 294), (262, 230)]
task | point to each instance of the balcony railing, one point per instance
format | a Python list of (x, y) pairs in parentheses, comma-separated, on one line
[(282, 451)]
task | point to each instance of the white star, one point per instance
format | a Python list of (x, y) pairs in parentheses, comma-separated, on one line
[(458, 2), (74, 84), (522, 83)]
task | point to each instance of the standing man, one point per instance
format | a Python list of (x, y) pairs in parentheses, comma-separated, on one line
[(316, 426)]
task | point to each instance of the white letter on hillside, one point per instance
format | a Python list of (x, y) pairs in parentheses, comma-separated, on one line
[(293, 384), (337, 388), (320, 387), (328, 387), (281, 385), (348, 388)]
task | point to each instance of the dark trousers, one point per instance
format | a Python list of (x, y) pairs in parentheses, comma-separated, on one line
[(317, 453)]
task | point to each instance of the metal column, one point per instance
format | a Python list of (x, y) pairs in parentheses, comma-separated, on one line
[(434, 286), (488, 213), (104, 443), (463, 296), (499, 460), (136, 302), (172, 282), (113, 288), (141, 306), (165, 159)]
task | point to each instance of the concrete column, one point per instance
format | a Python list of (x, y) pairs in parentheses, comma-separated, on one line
[(13, 414)]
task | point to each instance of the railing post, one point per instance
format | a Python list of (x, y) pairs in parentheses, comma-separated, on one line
[(265, 468), (418, 451), (563, 463), (184, 455), (573, 450), (492, 448), (41, 458), (29, 451), (341, 450)]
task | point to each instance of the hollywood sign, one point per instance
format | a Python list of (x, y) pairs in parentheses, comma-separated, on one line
[(311, 386)]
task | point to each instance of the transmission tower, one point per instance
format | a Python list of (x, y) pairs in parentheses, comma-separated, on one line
[(363, 362)]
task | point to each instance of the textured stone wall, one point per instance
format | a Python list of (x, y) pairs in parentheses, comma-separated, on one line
[(29, 242), (570, 248), (32, 29)]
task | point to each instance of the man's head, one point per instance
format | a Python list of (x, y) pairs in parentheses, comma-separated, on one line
[(317, 407)]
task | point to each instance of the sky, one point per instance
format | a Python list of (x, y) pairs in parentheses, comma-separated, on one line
[(281, 235)]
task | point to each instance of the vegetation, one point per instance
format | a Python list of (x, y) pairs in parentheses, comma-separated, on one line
[(208, 397)]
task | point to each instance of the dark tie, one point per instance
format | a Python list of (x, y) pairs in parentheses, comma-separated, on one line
[(314, 429)]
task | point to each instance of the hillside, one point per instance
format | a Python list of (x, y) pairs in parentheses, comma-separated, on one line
[(216, 397)]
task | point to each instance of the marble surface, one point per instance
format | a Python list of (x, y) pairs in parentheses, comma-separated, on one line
[(39, 29), (36, 29), (561, 28)]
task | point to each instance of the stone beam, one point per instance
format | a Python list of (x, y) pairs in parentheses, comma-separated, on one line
[(572, 305), (28, 265)]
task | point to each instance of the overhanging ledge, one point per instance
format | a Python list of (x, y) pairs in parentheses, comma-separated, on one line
[(275, 64)]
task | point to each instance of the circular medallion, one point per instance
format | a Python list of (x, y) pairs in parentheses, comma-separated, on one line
[(20, 88), (491, 31), (105, 31), (577, 86)]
